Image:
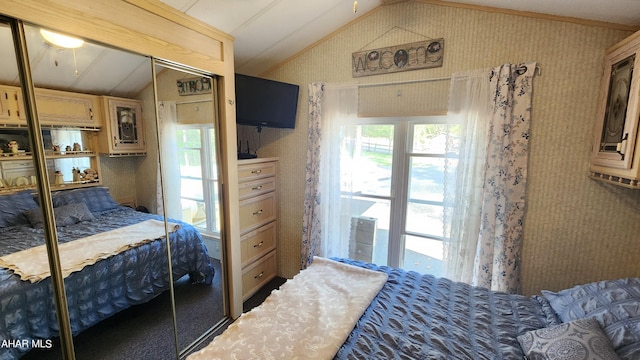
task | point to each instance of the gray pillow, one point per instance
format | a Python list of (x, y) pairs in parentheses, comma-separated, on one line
[(97, 198), (65, 215), (13, 206), (615, 304), (576, 340)]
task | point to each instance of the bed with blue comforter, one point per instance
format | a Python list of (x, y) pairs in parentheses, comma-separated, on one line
[(424, 317), (135, 276), (407, 315)]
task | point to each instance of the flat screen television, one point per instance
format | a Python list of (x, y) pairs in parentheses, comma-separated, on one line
[(265, 103)]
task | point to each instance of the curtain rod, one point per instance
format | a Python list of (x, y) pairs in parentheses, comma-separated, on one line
[(404, 82), (537, 70)]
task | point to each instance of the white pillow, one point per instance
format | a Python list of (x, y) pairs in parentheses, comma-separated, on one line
[(576, 340)]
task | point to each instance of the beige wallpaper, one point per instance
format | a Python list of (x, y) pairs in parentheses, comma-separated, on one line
[(577, 230)]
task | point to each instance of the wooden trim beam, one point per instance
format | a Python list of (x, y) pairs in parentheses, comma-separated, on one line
[(530, 14)]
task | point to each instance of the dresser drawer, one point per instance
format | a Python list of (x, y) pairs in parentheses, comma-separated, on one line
[(257, 187), (257, 211), (257, 274), (258, 242), (247, 172)]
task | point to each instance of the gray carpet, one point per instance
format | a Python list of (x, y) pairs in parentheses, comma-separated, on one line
[(146, 331)]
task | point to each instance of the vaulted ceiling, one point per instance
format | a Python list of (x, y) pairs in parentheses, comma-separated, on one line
[(268, 32)]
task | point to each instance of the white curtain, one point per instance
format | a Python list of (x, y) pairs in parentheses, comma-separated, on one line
[(167, 119), (487, 190), (326, 219), (469, 108)]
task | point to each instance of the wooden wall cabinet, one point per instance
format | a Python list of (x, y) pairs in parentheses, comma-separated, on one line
[(123, 133), (258, 222), (55, 108), (62, 108), (616, 154)]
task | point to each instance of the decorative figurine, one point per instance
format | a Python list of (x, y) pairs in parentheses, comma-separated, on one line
[(89, 175), (56, 148), (76, 175), (13, 145), (59, 179), (77, 147)]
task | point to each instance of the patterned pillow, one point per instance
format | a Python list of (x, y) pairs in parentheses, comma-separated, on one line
[(97, 198), (65, 215), (615, 304), (580, 339), (13, 206)]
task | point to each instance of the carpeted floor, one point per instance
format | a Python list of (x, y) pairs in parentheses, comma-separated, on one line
[(146, 331)]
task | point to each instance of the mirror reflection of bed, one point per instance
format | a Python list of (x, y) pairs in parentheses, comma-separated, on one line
[(123, 279), (120, 304)]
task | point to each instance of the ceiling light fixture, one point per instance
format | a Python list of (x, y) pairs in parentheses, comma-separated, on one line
[(60, 40), (355, 6)]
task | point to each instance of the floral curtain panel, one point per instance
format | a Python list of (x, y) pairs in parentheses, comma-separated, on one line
[(310, 218), (326, 218), (488, 187)]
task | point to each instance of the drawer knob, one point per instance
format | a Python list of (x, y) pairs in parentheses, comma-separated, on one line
[(256, 213), (256, 171), (257, 187), (258, 244), (259, 275)]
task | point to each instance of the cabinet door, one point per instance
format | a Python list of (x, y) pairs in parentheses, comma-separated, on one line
[(618, 113), (11, 107), (126, 133), (67, 109)]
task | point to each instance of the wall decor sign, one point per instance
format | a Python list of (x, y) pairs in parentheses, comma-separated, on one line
[(418, 55), (193, 86)]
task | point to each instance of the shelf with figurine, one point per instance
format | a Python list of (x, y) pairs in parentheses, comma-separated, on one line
[(13, 152), (86, 177), (66, 185), (12, 148)]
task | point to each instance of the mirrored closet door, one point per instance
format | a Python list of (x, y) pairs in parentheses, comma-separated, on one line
[(27, 297), (118, 291), (126, 190), (187, 124)]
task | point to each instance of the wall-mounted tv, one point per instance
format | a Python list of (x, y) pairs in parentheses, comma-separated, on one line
[(265, 103)]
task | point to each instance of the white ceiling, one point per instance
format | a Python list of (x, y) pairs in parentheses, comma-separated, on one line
[(268, 32)]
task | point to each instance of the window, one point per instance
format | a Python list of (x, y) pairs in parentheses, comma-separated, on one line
[(393, 188), (67, 138), (198, 177)]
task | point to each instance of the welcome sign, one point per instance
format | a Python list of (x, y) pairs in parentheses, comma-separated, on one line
[(413, 56)]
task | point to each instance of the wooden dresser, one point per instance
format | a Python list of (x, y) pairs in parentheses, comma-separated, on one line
[(258, 222)]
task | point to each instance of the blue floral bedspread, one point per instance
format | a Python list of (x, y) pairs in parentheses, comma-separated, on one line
[(423, 317), (27, 311)]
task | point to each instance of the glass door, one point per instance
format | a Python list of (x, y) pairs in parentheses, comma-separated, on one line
[(368, 159), (424, 208), (392, 185)]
